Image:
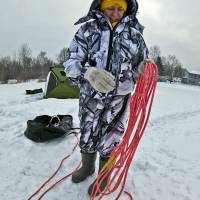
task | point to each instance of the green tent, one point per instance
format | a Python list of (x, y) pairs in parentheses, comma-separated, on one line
[(59, 86)]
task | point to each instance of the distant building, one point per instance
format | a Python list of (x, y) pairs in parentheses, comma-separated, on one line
[(192, 78), (12, 81)]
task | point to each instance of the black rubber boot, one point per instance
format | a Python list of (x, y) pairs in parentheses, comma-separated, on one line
[(102, 162), (87, 169)]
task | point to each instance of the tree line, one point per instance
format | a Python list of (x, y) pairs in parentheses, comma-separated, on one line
[(169, 67), (23, 66)]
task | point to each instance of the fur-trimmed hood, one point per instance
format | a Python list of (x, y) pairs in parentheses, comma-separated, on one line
[(132, 7), (94, 9)]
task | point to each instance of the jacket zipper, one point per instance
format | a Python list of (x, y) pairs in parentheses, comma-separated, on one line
[(110, 50)]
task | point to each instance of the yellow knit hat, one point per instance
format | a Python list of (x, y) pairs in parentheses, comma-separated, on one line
[(108, 3)]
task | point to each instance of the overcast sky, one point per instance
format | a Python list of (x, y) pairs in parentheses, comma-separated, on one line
[(47, 25)]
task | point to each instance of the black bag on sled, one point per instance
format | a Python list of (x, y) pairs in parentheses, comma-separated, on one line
[(45, 128)]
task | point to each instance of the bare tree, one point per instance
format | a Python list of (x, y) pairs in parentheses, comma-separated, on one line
[(171, 64), (61, 57), (42, 58), (154, 52), (25, 55), (43, 64), (4, 68)]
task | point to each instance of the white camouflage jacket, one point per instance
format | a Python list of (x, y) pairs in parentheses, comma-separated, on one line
[(119, 50)]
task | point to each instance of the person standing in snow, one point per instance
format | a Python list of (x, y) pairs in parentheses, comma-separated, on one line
[(105, 57)]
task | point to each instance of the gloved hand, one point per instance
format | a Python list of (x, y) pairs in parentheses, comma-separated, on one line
[(100, 79), (142, 64)]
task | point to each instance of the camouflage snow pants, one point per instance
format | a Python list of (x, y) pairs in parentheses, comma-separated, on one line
[(102, 123)]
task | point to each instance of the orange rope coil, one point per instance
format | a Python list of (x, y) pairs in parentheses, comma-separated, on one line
[(140, 108)]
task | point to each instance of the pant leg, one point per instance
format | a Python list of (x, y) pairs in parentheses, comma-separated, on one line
[(115, 122), (90, 113)]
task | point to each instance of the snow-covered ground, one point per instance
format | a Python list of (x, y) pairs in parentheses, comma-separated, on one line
[(166, 165)]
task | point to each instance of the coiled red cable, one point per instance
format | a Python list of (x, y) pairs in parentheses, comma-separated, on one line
[(122, 156), (140, 108), (54, 174)]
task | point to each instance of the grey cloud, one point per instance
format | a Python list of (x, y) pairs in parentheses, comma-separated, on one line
[(48, 25), (176, 30)]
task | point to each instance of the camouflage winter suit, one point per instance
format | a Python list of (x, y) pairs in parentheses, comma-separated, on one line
[(103, 117)]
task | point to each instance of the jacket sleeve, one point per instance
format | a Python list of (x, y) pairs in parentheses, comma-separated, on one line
[(76, 58), (142, 54), (143, 50)]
